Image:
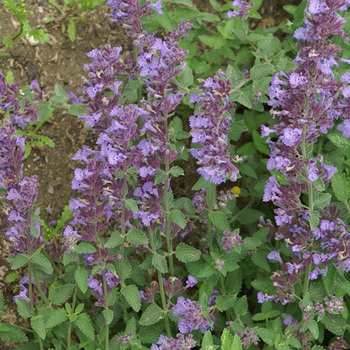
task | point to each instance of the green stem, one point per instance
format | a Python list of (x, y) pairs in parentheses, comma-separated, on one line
[(30, 287), (43, 296), (209, 224), (161, 287), (59, 273), (311, 198), (168, 237), (105, 293), (69, 335), (123, 227)]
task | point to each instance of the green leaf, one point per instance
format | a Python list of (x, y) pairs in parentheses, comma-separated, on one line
[(76, 110), (314, 219), (60, 294), (23, 308), (85, 248), (115, 240), (241, 306), (42, 262), (132, 296), (313, 327), (131, 205), (8, 42), (135, 236), (67, 258), (177, 218), (213, 41), (185, 77), (341, 142), (18, 261), (259, 259), (85, 325), (108, 315), (81, 277), (267, 335), (159, 262), (56, 318), (61, 93), (219, 220), (242, 98), (10, 79), (176, 171), (38, 325), (151, 315), (226, 340), (11, 333), (334, 323), (249, 216), (71, 30), (207, 341), (46, 140), (341, 187), (186, 253), (321, 200), (262, 70), (236, 345), (224, 302)]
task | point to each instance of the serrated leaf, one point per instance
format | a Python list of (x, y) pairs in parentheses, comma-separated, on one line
[(11, 333), (341, 142), (207, 341), (313, 327), (159, 262), (226, 340), (262, 70), (186, 253), (115, 240), (236, 345), (135, 236), (43, 263), (76, 110), (314, 219), (81, 277), (321, 200), (224, 302), (108, 316), (241, 306), (176, 171), (219, 220), (151, 315), (259, 259), (23, 308), (334, 323), (56, 318), (131, 326), (185, 78), (177, 218), (131, 205), (18, 261), (85, 248), (60, 294), (132, 296), (85, 325), (341, 187), (38, 325), (46, 140)]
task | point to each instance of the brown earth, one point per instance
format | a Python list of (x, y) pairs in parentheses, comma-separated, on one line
[(61, 61)]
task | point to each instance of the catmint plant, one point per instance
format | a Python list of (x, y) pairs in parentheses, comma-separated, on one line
[(308, 102)]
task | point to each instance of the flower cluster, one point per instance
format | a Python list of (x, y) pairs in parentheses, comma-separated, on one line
[(22, 111), (210, 129), (243, 9), (192, 316), (248, 337), (307, 102), (181, 342), (231, 239), (18, 195)]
